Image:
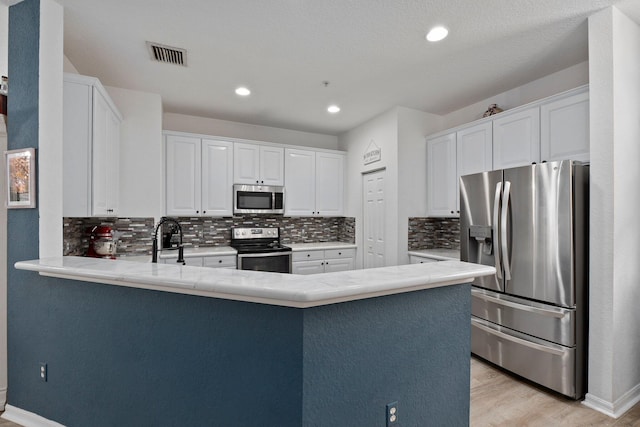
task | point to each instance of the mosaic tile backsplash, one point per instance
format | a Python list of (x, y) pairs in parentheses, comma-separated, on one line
[(135, 234), (434, 233)]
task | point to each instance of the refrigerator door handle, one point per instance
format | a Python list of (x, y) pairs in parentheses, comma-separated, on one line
[(503, 230), (496, 226)]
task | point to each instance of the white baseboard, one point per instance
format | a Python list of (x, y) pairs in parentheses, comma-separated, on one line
[(26, 418), (617, 408)]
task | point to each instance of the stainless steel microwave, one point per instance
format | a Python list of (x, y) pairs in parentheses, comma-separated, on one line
[(258, 199)]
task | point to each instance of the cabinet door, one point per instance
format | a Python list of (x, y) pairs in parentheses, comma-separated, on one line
[(76, 162), (565, 128), (307, 267), (100, 155), (441, 175), (473, 153), (183, 174), (271, 165), (516, 139), (329, 184), (343, 264), (300, 181), (217, 178), (246, 163), (113, 156)]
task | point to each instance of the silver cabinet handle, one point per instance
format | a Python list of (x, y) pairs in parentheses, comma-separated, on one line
[(503, 230), (496, 229)]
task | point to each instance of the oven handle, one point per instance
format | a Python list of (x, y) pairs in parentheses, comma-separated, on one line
[(266, 254)]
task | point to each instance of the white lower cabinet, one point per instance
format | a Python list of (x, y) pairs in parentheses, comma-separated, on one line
[(415, 259), (323, 261), (220, 261)]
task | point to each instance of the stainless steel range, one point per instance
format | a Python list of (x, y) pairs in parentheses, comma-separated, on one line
[(260, 249)]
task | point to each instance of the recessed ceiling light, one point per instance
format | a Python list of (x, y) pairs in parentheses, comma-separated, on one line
[(333, 109), (243, 91), (437, 33)]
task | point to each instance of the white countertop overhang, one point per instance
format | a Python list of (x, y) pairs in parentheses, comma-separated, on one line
[(267, 288)]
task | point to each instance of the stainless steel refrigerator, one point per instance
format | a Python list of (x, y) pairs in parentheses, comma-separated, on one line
[(531, 223)]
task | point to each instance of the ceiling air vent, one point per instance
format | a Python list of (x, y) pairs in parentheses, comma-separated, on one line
[(167, 54)]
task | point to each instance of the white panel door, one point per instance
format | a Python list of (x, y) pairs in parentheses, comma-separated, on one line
[(113, 170), (473, 153), (441, 175), (300, 182), (516, 139), (246, 163), (271, 165), (565, 129), (329, 184), (374, 219), (217, 178), (183, 175)]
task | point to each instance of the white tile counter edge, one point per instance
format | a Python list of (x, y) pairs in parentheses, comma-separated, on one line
[(252, 286)]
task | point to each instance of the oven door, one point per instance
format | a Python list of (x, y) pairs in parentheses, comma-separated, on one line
[(277, 262)]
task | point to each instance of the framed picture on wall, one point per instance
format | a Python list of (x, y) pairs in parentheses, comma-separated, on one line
[(21, 178)]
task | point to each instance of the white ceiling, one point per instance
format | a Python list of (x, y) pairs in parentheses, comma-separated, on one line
[(373, 53)]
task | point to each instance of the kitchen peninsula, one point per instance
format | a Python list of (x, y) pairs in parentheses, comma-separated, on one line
[(182, 345)]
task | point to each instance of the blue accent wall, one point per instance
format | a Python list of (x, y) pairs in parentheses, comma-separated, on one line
[(131, 357), (412, 348)]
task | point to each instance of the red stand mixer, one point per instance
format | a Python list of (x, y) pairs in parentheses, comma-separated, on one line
[(102, 243)]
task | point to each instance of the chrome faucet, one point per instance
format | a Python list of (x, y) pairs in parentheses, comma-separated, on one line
[(154, 248)]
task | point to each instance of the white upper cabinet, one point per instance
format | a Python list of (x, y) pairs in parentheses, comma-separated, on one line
[(329, 184), (565, 128), (441, 175), (516, 139), (554, 128), (314, 183), (217, 178), (198, 176), (91, 135), (183, 175), (473, 148), (258, 164), (300, 182)]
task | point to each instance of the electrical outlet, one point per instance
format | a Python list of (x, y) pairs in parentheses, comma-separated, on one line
[(43, 372), (392, 414)]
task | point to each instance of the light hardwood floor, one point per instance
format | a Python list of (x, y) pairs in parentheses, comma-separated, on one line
[(500, 400)]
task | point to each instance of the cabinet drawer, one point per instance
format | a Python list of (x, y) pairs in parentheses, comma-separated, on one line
[(307, 255), (220, 261), (339, 253), (420, 260), (195, 261)]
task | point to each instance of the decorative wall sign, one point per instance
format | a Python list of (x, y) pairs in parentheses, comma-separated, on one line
[(372, 154), (21, 178)]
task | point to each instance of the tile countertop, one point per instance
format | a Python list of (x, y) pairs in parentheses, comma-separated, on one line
[(439, 254), (320, 246), (253, 286)]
